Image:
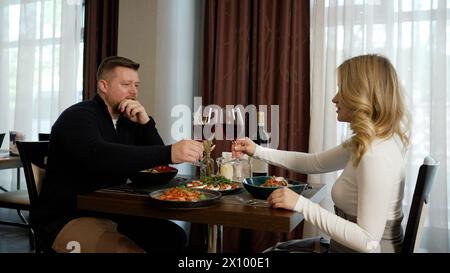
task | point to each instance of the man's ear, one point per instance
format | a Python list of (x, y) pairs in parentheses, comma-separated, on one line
[(102, 86)]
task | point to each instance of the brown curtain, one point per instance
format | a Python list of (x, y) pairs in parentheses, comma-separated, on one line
[(257, 52), (100, 33)]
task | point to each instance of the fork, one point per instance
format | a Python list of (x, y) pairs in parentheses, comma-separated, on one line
[(252, 202), (257, 201)]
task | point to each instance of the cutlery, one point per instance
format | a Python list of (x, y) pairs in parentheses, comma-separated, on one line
[(253, 202)]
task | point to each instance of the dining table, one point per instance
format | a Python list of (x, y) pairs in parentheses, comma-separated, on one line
[(8, 161), (240, 209)]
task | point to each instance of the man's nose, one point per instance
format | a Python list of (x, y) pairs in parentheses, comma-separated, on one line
[(133, 90)]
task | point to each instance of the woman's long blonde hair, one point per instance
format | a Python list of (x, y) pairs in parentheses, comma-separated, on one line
[(370, 88)]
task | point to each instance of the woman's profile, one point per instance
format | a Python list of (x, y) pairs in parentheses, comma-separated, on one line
[(369, 192)]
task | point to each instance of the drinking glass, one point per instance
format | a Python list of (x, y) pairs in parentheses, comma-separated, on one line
[(233, 125)]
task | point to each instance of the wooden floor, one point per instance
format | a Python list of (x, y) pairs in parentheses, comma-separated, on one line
[(13, 239)]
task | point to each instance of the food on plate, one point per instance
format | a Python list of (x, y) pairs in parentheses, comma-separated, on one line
[(213, 182), (159, 169), (181, 193), (195, 184), (275, 182)]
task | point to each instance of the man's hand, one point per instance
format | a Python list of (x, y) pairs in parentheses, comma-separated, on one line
[(134, 111), (187, 151)]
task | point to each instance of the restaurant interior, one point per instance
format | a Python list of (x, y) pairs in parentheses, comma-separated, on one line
[(215, 72)]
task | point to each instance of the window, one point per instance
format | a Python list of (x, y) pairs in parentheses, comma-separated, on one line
[(37, 41), (41, 62)]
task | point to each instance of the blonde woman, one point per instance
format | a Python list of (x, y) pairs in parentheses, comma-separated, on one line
[(368, 194)]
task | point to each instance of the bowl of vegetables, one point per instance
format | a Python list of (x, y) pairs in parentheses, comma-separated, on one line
[(262, 186)]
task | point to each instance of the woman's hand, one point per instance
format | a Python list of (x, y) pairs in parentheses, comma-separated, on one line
[(243, 146), (283, 198)]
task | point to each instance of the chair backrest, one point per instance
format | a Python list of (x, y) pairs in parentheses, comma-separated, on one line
[(419, 205), (43, 137), (34, 161), (2, 136)]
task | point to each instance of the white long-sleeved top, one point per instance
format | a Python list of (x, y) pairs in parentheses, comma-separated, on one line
[(373, 191)]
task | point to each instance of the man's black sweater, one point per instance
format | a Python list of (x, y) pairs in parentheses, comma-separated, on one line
[(87, 153)]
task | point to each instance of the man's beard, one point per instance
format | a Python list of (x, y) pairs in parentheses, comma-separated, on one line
[(115, 107)]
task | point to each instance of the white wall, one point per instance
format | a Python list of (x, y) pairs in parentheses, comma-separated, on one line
[(137, 41)]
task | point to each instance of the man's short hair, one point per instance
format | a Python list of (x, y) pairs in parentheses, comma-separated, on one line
[(110, 63)]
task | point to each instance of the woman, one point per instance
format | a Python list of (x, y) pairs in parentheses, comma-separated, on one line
[(368, 194)]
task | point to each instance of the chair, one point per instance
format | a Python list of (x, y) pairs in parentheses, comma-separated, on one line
[(43, 137), (34, 161), (2, 136), (17, 200), (419, 205)]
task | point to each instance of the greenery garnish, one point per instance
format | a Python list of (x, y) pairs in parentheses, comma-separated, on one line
[(215, 180)]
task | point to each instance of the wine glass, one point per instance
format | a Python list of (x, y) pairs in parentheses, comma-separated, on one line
[(200, 122), (233, 125)]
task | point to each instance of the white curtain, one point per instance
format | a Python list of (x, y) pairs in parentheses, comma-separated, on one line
[(40, 64), (413, 34)]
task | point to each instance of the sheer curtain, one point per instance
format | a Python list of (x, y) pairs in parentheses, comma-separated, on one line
[(413, 34), (40, 64)]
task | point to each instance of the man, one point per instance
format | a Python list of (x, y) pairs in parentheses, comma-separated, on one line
[(99, 143)]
